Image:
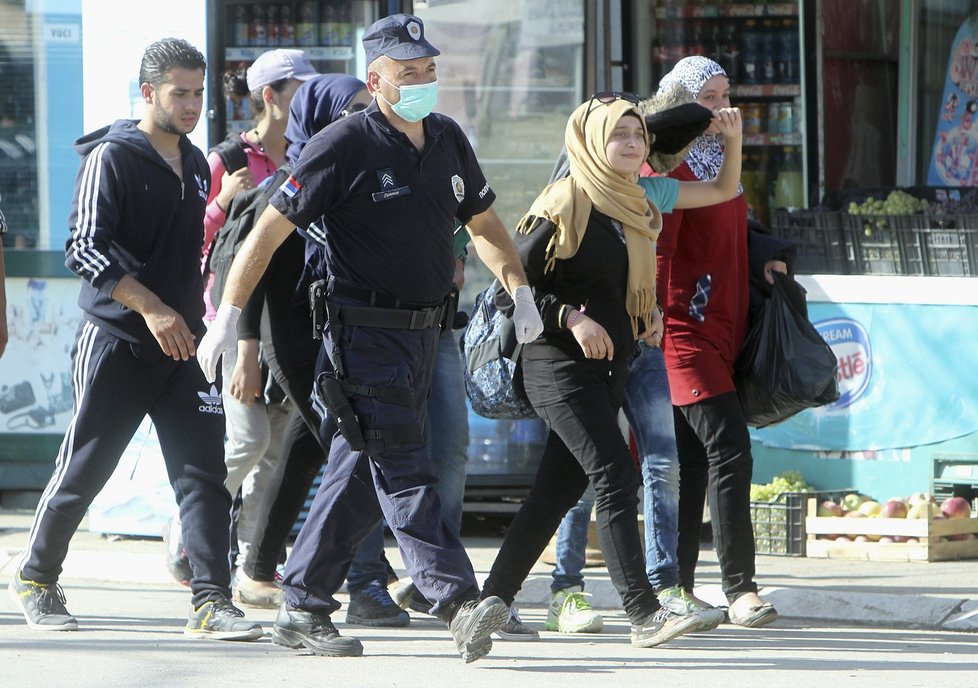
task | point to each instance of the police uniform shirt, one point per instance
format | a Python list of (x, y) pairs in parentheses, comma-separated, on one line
[(388, 211)]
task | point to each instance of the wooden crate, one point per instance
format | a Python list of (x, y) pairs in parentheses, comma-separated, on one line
[(931, 534)]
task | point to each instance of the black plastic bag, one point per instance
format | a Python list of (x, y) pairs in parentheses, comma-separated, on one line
[(784, 366)]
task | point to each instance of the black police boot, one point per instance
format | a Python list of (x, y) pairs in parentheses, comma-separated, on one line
[(297, 628)]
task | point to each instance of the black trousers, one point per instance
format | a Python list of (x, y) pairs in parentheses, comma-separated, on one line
[(115, 385), (715, 457), (579, 400)]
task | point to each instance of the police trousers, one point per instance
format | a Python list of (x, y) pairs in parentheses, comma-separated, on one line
[(116, 384), (392, 476)]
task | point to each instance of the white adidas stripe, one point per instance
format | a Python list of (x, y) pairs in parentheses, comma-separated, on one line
[(80, 378), (84, 249)]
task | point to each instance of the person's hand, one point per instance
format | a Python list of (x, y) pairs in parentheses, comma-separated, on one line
[(171, 332), (234, 183), (526, 317), (245, 384), (773, 266), (592, 337), (728, 122), (222, 335), (653, 335)]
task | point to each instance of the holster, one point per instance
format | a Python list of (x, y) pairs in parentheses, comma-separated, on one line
[(451, 307), (317, 307), (331, 392)]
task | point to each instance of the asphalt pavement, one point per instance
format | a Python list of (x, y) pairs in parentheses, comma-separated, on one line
[(842, 622), (917, 595)]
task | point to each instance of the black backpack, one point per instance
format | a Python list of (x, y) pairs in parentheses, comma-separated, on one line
[(243, 211)]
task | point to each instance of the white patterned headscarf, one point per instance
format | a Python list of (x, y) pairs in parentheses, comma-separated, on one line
[(706, 154)]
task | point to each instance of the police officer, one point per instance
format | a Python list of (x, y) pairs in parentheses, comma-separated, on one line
[(136, 230), (387, 184)]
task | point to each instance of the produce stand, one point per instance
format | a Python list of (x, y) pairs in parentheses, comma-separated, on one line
[(930, 535)]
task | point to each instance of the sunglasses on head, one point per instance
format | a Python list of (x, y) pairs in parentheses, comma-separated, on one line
[(607, 97)]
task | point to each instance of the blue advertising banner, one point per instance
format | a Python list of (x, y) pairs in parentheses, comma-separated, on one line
[(954, 161), (906, 378)]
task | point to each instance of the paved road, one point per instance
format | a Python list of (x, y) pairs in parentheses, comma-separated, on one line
[(131, 635)]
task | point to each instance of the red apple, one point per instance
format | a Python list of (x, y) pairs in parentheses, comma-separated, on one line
[(956, 507), (885, 539), (894, 509), (829, 508), (960, 536)]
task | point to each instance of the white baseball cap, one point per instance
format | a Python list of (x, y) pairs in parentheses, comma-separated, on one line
[(279, 64)]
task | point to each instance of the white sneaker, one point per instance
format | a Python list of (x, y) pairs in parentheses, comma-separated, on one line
[(677, 600), (570, 612)]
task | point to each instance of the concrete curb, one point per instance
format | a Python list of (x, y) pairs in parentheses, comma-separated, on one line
[(808, 604)]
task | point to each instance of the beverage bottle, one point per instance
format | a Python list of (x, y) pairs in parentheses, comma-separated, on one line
[(257, 32), (762, 176), (789, 48), (241, 21), (344, 24), (327, 23), (696, 45), (750, 48), (730, 51), (307, 24), (286, 24), (788, 191), (769, 52), (272, 15), (748, 179)]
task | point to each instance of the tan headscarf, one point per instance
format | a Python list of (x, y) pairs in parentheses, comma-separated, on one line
[(593, 182)]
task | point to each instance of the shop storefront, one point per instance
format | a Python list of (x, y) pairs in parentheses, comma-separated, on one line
[(839, 96)]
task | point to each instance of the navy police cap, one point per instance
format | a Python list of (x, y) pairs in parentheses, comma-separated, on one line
[(399, 37)]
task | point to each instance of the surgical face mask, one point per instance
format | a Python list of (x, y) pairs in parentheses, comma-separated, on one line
[(416, 101)]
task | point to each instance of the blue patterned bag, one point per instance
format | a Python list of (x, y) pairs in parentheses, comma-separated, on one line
[(490, 353)]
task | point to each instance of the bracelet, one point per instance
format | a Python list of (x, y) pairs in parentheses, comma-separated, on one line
[(572, 319), (223, 210)]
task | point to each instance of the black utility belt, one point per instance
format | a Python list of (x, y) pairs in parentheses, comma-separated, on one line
[(391, 318)]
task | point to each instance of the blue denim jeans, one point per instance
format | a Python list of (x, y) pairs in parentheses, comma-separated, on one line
[(447, 437), (572, 543), (648, 408)]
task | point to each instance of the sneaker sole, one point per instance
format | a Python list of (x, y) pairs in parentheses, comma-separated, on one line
[(493, 617), (198, 634), (398, 621), (525, 637), (688, 625), (593, 626), (296, 641), (247, 599), (15, 598)]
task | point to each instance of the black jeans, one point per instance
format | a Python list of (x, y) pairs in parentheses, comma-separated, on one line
[(714, 455), (579, 400)]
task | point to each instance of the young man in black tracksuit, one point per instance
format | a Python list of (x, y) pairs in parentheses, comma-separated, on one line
[(136, 232)]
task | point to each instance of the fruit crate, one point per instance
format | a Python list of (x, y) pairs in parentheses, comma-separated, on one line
[(885, 244), (950, 244), (779, 525), (930, 535), (818, 236)]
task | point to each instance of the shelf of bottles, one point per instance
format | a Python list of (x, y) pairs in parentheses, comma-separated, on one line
[(758, 44), (324, 29)]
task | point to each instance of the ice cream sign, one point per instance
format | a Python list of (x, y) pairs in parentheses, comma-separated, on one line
[(850, 344)]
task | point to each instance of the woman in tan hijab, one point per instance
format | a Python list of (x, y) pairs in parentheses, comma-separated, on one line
[(587, 245)]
